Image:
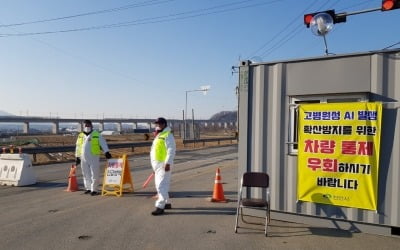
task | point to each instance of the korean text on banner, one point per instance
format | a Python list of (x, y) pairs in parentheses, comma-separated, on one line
[(338, 153)]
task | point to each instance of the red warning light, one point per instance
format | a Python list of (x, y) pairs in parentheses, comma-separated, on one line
[(336, 18), (390, 5), (307, 19), (387, 5)]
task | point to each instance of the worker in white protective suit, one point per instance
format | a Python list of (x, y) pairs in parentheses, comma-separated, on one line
[(88, 148), (162, 157)]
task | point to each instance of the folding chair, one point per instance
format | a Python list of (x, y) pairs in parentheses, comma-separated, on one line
[(254, 180)]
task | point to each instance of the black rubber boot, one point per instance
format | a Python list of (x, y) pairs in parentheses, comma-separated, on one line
[(158, 211)]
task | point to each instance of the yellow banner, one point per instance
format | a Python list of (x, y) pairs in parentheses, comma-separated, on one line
[(338, 153)]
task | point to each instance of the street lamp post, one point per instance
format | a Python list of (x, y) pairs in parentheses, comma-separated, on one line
[(203, 89)]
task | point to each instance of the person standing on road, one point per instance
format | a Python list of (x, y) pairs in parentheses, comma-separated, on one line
[(162, 157), (88, 147)]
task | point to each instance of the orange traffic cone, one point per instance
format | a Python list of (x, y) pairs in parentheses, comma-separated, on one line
[(72, 183), (218, 193)]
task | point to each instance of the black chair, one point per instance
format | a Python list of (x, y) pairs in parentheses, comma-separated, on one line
[(252, 180)]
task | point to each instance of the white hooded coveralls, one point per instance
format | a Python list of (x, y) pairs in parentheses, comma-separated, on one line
[(161, 177), (90, 163)]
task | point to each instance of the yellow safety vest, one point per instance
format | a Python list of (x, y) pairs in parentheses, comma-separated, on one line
[(160, 146), (94, 143)]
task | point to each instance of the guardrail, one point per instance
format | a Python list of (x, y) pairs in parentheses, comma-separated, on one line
[(219, 139), (132, 145), (71, 148)]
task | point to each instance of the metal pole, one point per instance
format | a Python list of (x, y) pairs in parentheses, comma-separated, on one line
[(186, 97), (185, 117), (358, 12), (237, 111), (326, 46), (184, 129), (186, 106), (193, 123)]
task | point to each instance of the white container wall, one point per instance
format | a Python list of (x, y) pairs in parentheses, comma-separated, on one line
[(267, 92)]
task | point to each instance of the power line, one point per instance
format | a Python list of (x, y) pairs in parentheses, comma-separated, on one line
[(355, 5), (192, 16), (91, 63), (290, 35), (388, 47), (282, 30), (152, 20), (121, 8), (84, 60), (282, 41)]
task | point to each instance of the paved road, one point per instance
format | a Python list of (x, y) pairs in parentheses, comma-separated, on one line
[(43, 216)]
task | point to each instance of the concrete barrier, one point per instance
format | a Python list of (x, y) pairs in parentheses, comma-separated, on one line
[(16, 170)]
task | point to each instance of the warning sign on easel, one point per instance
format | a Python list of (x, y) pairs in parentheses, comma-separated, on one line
[(117, 177)]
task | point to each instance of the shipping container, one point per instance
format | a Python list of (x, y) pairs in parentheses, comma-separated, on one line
[(269, 93)]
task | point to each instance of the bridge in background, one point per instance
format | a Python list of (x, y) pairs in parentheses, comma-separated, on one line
[(26, 121)]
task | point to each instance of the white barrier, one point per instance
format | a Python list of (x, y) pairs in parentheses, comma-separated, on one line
[(16, 170)]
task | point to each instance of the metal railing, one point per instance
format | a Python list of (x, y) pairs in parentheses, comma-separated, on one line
[(71, 148), (219, 139), (132, 145)]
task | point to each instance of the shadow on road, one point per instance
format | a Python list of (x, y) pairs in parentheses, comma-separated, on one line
[(202, 211), (186, 194), (276, 230)]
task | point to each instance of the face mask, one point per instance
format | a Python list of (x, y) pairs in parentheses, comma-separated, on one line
[(158, 128), (87, 129)]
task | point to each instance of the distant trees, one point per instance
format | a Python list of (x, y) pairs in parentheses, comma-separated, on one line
[(225, 116)]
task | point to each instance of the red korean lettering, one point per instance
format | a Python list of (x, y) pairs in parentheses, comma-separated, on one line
[(349, 147), (314, 163)]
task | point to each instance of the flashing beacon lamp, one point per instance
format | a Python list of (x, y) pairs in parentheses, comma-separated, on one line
[(320, 25), (307, 19), (390, 5)]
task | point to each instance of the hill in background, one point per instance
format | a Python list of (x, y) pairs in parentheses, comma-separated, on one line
[(225, 116)]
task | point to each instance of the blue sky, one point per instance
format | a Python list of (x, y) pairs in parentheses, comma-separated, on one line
[(143, 69)]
